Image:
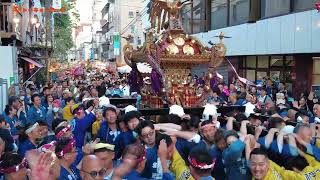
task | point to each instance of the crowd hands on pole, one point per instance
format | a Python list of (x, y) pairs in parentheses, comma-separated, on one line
[(69, 130)]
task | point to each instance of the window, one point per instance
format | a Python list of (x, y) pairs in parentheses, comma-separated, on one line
[(139, 41), (276, 61), (263, 61), (199, 14), (276, 67), (261, 75), (132, 29), (219, 14), (131, 15), (270, 8), (186, 19), (302, 5), (290, 61), (251, 75), (316, 71), (251, 62), (239, 11)]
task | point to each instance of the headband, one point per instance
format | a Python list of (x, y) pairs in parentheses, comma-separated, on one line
[(47, 147), (35, 125), (141, 158), (63, 131), (14, 168), (203, 166), (67, 149), (63, 123)]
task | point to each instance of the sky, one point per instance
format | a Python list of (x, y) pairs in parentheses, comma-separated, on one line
[(85, 8)]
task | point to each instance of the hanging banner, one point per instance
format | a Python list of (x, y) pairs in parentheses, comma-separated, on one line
[(56, 4), (116, 43)]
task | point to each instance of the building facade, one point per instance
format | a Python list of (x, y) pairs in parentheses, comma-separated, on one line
[(83, 35), (124, 18), (278, 39), (23, 24)]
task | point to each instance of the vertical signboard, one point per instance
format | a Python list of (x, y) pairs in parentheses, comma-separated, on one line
[(116, 43)]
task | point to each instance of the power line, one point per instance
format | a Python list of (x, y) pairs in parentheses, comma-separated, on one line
[(135, 19), (125, 30), (131, 23)]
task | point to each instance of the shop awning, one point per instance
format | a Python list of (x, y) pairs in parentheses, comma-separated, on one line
[(33, 62)]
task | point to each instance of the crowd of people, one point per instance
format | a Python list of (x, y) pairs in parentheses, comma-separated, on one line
[(68, 130)]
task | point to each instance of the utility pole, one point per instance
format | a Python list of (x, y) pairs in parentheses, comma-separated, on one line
[(48, 19)]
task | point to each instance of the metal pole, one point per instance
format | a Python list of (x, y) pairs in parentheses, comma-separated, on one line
[(15, 67), (31, 76), (1, 95)]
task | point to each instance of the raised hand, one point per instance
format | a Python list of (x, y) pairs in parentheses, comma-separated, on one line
[(123, 169), (257, 131), (88, 148), (40, 169), (162, 150)]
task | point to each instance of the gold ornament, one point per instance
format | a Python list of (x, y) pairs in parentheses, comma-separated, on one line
[(188, 50), (173, 49), (221, 49), (210, 76), (206, 88), (179, 41)]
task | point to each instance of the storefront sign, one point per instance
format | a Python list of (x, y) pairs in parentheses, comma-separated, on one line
[(11, 80)]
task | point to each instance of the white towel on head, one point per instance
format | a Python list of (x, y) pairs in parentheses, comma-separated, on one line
[(103, 101), (130, 108), (177, 110), (249, 109), (209, 110), (288, 129)]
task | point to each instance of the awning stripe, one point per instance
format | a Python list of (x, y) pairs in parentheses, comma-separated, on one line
[(33, 62)]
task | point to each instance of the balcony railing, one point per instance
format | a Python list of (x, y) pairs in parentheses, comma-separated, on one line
[(105, 28), (10, 22), (105, 9)]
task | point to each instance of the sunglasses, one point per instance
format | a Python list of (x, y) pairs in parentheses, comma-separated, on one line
[(94, 174)]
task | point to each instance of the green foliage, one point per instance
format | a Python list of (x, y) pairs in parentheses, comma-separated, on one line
[(62, 41)]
